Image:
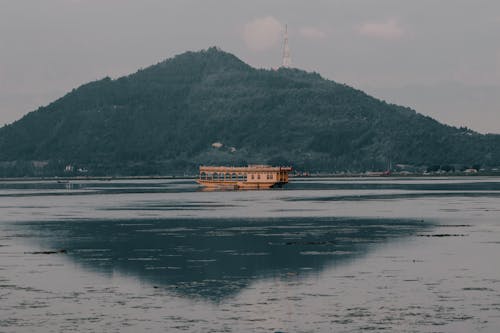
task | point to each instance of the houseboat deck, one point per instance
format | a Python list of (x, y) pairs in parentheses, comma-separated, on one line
[(252, 176)]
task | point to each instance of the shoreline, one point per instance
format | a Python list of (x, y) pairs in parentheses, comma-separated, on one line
[(313, 176)]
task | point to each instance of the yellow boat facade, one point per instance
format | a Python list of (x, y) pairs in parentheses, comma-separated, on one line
[(252, 176)]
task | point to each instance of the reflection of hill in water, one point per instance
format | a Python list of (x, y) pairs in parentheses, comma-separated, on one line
[(214, 259)]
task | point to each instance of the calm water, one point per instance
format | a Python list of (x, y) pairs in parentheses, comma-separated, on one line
[(320, 255)]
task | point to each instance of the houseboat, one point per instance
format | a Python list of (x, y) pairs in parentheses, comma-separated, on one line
[(249, 177)]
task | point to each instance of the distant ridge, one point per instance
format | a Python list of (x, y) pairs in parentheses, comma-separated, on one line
[(209, 107)]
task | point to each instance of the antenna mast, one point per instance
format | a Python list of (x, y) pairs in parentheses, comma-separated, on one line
[(287, 59)]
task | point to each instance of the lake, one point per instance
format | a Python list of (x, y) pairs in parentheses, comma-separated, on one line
[(319, 255)]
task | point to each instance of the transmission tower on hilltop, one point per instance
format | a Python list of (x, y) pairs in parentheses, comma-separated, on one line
[(287, 59)]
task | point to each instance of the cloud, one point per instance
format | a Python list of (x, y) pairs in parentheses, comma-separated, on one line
[(262, 33), (390, 29), (312, 33)]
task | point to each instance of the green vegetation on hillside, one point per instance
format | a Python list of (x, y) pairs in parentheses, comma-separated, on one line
[(165, 118)]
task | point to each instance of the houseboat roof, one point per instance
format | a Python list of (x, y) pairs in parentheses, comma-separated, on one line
[(250, 168)]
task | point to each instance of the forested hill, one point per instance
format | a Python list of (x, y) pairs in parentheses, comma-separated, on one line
[(209, 107)]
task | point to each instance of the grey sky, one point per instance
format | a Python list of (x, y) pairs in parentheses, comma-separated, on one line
[(440, 57)]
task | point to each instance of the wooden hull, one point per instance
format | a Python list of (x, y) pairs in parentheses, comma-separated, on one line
[(222, 184)]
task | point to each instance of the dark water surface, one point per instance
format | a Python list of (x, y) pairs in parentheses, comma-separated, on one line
[(321, 255)]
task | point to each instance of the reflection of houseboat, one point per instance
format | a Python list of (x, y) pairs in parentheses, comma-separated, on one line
[(252, 176)]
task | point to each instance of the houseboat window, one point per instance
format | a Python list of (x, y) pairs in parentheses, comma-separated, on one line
[(203, 175), (234, 176), (228, 176), (258, 176), (252, 176)]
